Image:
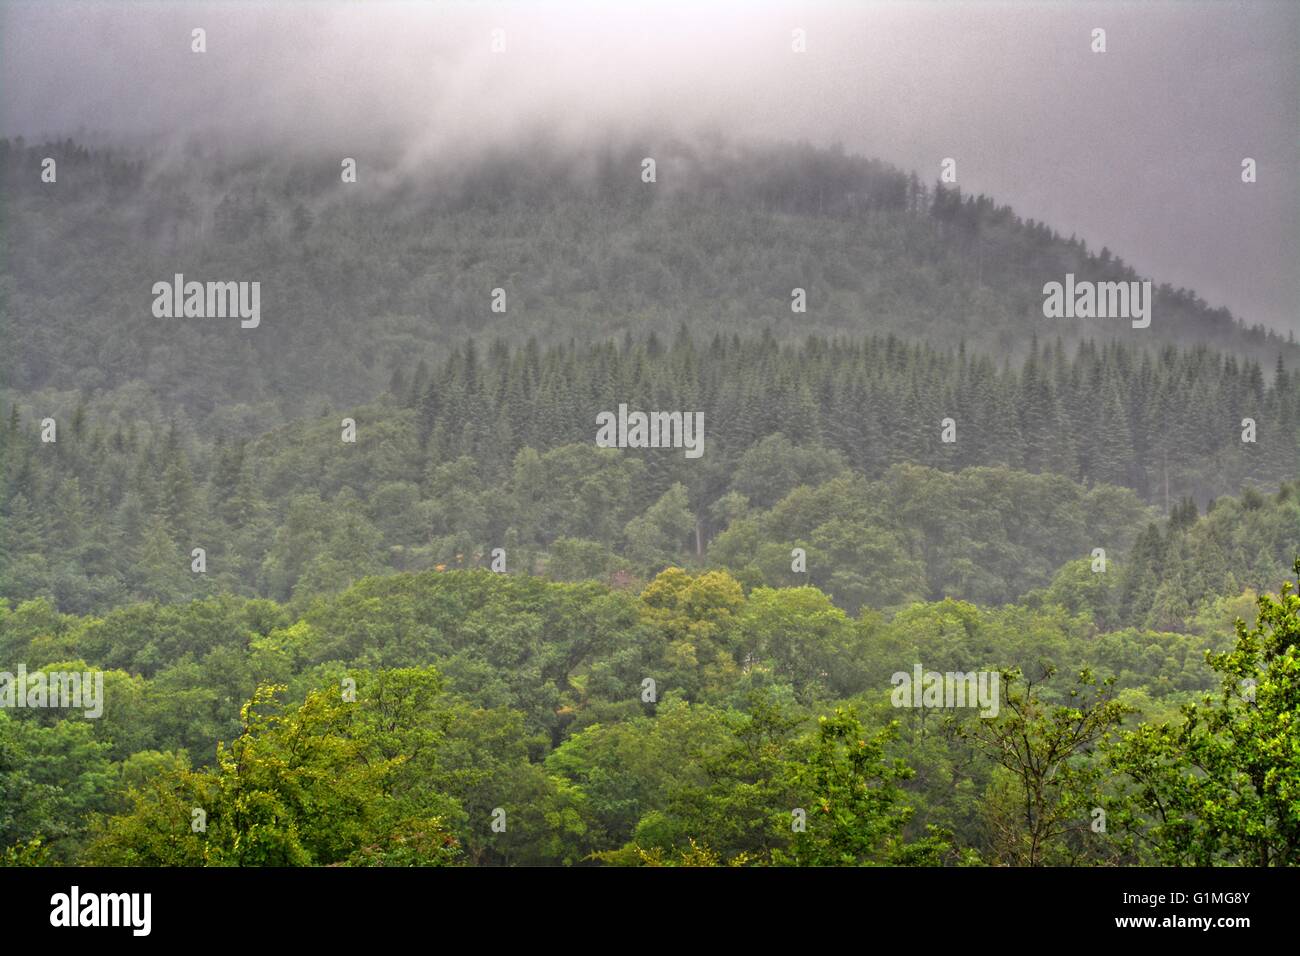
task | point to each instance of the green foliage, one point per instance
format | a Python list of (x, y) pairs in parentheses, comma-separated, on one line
[(857, 810), (656, 681), (875, 245), (497, 450), (1039, 809), (537, 708), (311, 785), (52, 779), (1221, 786)]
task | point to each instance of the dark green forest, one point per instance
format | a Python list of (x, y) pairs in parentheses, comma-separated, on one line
[(473, 637), (831, 446), (361, 278), (480, 696)]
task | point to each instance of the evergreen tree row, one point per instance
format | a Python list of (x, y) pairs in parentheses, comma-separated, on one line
[(1168, 426)]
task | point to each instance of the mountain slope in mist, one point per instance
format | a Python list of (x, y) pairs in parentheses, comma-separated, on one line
[(359, 278)]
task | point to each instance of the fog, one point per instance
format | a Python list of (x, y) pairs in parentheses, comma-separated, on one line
[(1138, 149)]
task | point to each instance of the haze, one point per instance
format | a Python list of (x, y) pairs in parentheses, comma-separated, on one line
[(1138, 149)]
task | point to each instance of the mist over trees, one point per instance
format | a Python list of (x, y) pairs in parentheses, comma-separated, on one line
[(403, 263), (301, 636)]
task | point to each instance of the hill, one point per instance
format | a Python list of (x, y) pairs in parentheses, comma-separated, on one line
[(358, 278)]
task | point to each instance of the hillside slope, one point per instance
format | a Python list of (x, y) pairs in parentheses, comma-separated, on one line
[(357, 277)]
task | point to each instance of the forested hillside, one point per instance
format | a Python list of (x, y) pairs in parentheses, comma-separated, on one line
[(478, 694), (832, 446), (277, 545), (358, 277)]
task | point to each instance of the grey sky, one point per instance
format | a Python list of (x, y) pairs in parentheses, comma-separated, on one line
[(1138, 148)]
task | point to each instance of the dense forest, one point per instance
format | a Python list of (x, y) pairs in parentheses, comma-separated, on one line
[(359, 277), (833, 446), (685, 724), (364, 591)]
